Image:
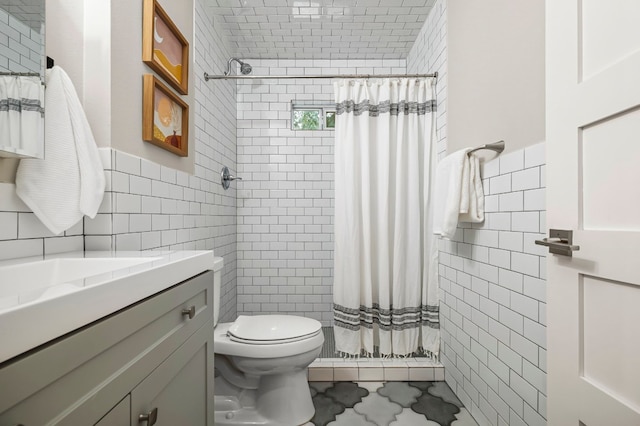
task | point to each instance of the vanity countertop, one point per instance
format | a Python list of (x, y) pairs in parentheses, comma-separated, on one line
[(42, 298)]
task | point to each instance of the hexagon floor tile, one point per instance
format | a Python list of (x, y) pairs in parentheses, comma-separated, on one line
[(387, 404)]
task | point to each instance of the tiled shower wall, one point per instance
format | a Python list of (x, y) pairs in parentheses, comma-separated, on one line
[(428, 55), (20, 46), (285, 202), (152, 207)]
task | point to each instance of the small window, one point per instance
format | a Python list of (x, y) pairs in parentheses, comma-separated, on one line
[(306, 119), (330, 119), (312, 117)]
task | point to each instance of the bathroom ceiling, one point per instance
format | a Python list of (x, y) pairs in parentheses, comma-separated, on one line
[(321, 29)]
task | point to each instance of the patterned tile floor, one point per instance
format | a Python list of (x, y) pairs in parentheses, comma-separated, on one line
[(387, 404)]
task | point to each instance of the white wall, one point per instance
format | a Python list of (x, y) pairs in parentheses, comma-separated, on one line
[(126, 78), (99, 44), (285, 202), (496, 73)]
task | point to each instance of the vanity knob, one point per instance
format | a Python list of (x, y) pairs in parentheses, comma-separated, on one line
[(191, 311), (151, 417)]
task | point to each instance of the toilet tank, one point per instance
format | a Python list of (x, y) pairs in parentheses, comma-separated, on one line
[(218, 263)]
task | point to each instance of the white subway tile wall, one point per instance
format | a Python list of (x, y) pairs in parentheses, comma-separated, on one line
[(285, 202), (23, 235), (493, 298), (429, 54), (21, 47)]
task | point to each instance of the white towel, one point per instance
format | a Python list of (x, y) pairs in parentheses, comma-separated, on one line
[(474, 193), (69, 182), (21, 115), (459, 196)]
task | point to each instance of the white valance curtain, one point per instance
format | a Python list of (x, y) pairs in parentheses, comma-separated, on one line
[(385, 288)]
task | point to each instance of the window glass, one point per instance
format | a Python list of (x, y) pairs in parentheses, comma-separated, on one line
[(330, 119), (310, 115), (306, 119)]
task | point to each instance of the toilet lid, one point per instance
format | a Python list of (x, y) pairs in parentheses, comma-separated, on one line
[(272, 329)]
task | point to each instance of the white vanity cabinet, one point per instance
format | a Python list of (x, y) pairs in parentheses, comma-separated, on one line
[(153, 358)]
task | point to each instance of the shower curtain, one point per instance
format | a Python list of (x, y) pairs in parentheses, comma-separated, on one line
[(385, 257)]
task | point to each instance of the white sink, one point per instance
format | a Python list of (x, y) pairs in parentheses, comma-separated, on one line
[(44, 298), (24, 282)]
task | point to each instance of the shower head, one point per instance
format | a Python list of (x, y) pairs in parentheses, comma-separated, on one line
[(244, 67)]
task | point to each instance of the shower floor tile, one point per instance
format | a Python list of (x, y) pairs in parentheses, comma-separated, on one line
[(387, 404)]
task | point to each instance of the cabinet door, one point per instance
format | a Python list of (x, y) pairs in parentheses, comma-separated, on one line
[(181, 388), (120, 415)]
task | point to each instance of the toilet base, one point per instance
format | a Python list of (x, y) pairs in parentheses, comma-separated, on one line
[(280, 400)]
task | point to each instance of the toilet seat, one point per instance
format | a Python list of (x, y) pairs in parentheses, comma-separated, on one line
[(271, 342), (272, 329), (222, 344)]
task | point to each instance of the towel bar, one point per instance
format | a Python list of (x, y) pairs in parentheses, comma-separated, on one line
[(497, 147)]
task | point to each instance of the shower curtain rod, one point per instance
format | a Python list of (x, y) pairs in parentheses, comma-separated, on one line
[(208, 77), (20, 74)]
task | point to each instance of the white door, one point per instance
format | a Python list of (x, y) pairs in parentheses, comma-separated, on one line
[(593, 163)]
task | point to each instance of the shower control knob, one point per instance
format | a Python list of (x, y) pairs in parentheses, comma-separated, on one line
[(226, 178)]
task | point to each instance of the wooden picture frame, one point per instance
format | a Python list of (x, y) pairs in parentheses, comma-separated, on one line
[(164, 112), (164, 48)]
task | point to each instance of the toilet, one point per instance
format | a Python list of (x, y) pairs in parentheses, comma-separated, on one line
[(261, 367)]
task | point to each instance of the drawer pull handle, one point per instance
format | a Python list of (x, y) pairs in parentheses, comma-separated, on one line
[(151, 417), (191, 312)]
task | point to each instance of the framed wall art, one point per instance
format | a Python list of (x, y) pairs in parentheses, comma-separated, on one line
[(165, 117), (164, 48)]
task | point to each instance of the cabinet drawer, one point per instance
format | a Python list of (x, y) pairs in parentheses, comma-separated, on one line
[(78, 378)]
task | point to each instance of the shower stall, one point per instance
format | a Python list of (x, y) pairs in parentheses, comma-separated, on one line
[(285, 203)]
